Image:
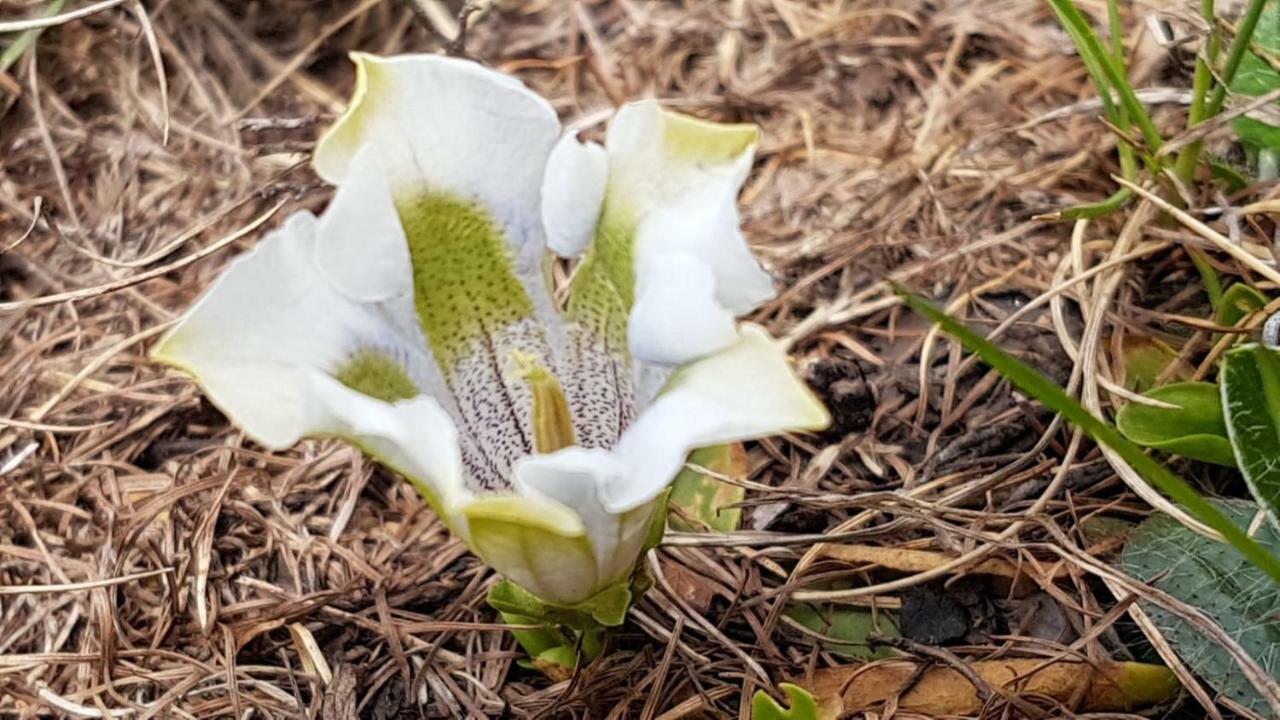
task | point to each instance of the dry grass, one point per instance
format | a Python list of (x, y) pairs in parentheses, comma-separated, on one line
[(182, 572)]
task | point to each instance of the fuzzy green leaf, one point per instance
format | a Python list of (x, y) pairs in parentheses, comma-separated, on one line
[(708, 499), (1196, 431), (1214, 578), (851, 625), (1251, 398), (1256, 77)]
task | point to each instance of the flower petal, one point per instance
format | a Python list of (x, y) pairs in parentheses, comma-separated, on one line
[(572, 194), (272, 343), (744, 392), (360, 244), (672, 188), (679, 178), (676, 316), (575, 477), (450, 124), (464, 149), (536, 543)]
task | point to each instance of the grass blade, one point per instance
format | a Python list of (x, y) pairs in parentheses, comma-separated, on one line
[(1032, 382), (1101, 63)]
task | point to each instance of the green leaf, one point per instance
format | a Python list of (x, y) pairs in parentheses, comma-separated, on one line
[(535, 641), (1220, 582), (1197, 430), (1107, 71), (560, 655), (1145, 360), (706, 498), (1030, 381), (607, 607), (14, 50), (1256, 77), (803, 706), (1251, 398), (850, 624), (1240, 301)]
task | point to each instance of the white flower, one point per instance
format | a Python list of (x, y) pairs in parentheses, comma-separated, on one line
[(413, 317)]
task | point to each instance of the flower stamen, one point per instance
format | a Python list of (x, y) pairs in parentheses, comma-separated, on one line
[(552, 419)]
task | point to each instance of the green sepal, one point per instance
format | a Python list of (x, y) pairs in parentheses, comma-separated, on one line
[(803, 705), (562, 655), (509, 598), (536, 641), (607, 608)]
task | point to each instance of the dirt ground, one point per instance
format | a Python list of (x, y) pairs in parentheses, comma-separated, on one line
[(181, 572)]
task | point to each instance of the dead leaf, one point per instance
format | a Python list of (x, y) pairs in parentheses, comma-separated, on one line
[(313, 661), (691, 587), (916, 561), (1106, 687)]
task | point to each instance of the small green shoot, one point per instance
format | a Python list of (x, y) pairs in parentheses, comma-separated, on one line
[(1239, 302), (803, 705), (15, 49), (1108, 73)]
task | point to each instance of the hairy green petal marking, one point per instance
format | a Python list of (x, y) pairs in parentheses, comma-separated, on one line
[(376, 375), (599, 382), (477, 317), (462, 271), (609, 262)]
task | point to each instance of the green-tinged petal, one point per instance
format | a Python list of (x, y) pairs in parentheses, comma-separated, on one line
[(672, 189), (536, 543), (286, 355), (465, 149), (667, 268), (575, 477), (451, 125), (747, 391)]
